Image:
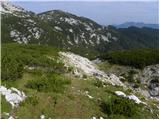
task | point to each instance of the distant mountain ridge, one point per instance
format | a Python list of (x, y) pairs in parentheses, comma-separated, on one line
[(137, 24), (70, 32)]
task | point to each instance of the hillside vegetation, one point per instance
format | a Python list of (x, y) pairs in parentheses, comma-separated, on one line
[(15, 58), (54, 91), (138, 58)]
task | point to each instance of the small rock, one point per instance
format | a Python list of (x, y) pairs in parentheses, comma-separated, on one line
[(120, 93), (13, 95), (10, 117), (86, 92), (101, 117), (133, 97), (90, 96), (7, 114), (42, 116), (130, 97)]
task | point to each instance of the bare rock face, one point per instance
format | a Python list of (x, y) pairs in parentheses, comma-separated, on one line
[(154, 87), (12, 95), (149, 73), (83, 65), (145, 82), (150, 77)]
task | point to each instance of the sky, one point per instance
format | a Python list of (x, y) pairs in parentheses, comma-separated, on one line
[(104, 12)]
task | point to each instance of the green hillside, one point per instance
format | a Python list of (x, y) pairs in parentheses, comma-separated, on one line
[(54, 91), (138, 58)]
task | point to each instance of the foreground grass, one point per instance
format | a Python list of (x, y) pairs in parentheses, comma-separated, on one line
[(5, 106), (73, 102)]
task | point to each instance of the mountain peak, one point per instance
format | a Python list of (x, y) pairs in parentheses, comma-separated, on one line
[(70, 32), (137, 24), (7, 7), (58, 13)]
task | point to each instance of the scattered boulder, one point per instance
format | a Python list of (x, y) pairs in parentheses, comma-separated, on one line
[(11, 117), (133, 97), (13, 95), (42, 116), (130, 97), (97, 118), (94, 118), (87, 94), (120, 93), (154, 88)]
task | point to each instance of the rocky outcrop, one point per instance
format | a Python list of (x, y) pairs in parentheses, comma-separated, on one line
[(130, 97), (150, 77), (154, 88), (149, 81), (83, 66), (149, 73), (12, 95)]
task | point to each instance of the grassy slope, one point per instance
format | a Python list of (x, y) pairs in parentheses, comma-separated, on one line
[(71, 103), (121, 70)]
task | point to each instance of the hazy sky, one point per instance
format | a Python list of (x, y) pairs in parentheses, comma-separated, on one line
[(104, 12)]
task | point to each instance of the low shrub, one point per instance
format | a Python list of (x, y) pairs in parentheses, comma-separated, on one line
[(48, 83), (98, 83), (117, 106), (11, 68), (31, 100)]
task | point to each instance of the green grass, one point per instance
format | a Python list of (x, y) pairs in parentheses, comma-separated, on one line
[(48, 83), (114, 68), (5, 106), (72, 103)]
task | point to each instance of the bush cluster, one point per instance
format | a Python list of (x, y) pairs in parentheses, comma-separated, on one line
[(31, 100), (48, 83), (118, 107), (15, 57), (11, 68), (98, 83), (138, 58)]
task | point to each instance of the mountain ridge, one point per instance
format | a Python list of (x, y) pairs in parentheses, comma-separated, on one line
[(137, 24), (71, 32)]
